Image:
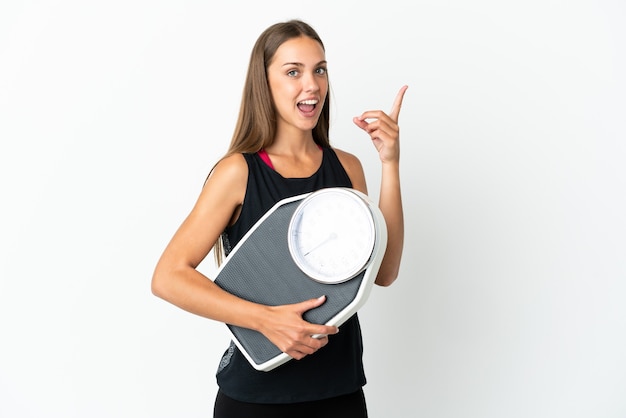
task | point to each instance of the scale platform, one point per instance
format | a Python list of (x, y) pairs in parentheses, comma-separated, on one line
[(260, 269)]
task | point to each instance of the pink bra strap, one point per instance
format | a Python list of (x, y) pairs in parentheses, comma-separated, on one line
[(266, 158)]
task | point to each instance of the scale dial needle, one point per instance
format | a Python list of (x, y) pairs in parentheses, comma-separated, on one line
[(330, 237)]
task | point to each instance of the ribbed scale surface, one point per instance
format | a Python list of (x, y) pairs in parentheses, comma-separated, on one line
[(262, 271)]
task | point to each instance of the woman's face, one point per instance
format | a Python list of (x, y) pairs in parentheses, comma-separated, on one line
[(298, 83)]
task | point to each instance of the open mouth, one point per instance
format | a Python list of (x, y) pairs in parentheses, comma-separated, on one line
[(307, 106)]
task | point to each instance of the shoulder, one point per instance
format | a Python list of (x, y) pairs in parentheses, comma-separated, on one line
[(353, 167), (234, 165), (346, 158), (221, 195), (228, 177)]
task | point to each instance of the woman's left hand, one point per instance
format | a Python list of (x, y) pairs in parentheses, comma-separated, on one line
[(384, 129)]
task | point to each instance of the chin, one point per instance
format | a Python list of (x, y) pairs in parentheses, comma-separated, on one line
[(308, 125)]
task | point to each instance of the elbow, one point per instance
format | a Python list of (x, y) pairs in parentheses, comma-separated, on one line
[(385, 282), (158, 285), (386, 279), (168, 280), (389, 268)]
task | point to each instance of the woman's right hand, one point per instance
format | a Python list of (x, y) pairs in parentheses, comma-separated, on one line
[(286, 329)]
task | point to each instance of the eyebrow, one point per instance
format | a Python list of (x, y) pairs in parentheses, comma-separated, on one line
[(299, 64)]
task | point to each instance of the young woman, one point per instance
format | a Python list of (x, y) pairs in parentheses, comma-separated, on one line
[(280, 148)]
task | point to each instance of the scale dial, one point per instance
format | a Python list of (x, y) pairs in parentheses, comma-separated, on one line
[(332, 234)]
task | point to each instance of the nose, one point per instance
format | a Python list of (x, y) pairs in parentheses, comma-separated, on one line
[(310, 82)]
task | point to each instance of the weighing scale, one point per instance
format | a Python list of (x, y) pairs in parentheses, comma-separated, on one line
[(328, 242)]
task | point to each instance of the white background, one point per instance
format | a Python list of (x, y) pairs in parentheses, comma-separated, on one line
[(510, 301)]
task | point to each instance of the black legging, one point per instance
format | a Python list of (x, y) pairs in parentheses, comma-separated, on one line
[(346, 406)]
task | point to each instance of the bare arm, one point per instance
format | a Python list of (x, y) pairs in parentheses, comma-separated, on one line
[(384, 132), (177, 281)]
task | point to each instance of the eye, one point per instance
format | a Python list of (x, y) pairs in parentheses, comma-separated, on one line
[(293, 73), (321, 71)]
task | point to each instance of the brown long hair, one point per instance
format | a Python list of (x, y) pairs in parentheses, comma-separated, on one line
[(256, 125)]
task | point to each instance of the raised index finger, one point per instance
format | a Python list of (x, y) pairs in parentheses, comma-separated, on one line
[(397, 104)]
